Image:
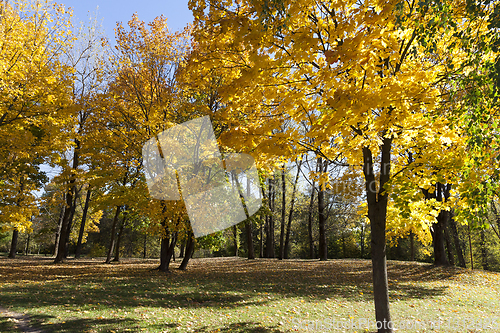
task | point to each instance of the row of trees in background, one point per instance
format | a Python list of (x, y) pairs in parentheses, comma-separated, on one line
[(347, 233), (370, 122)]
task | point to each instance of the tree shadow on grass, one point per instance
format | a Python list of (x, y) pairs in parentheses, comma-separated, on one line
[(242, 327), (228, 283), (7, 326), (80, 324)]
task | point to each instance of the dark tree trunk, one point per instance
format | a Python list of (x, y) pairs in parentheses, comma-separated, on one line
[(27, 248), (249, 233), (344, 250), (283, 214), (310, 220), (484, 253), (248, 222), (470, 247), (113, 234), (261, 239), (68, 233), (167, 251), (78, 250), (456, 240), (181, 251), (61, 249), (262, 228), (248, 227), (270, 224), (377, 213), (362, 241), (120, 234), (290, 214), (13, 244), (59, 226), (235, 236), (437, 229), (438, 240), (189, 252), (449, 250), (165, 242), (412, 246), (65, 227), (323, 251)]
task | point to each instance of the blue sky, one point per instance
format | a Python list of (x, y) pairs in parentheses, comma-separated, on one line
[(111, 11)]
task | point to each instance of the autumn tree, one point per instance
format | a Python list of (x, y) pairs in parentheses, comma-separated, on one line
[(35, 95), (361, 75), (86, 58), (144, 99)]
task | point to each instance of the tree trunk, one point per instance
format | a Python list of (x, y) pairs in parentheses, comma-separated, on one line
[(438, 241), (412, 246), (167, 250), (344, 250), (235, 236), (484, 253), (248, 222), (437, 229), (65, 227), (270, 224), (181, 251), (144, 246), (262, 228), (113, 233), (78, 250), (59, 226), (120, 234), (470, 247), (70, 226), (13, 244), (323, 251), (290, 214), (248, 227), (189, 252), (309, 225), (261, 239), (456, 240), (449, 251), (165, 242), (283, 214), (249, 233), (377, 213), (362, 241), (27, 248), (61, 249)]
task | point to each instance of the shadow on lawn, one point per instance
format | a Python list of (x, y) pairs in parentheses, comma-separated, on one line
[(7, 326), (211, 283), (240, 327), (81, 324), (40, 323)]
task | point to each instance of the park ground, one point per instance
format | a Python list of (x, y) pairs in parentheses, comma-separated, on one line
[(239, 295)]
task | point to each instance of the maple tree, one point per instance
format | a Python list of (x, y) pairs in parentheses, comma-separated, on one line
[(34, 98), (143, 99), (397, 91), (86, 58), (364, 76)]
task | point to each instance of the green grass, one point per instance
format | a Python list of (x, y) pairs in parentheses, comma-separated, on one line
[(235, 295)]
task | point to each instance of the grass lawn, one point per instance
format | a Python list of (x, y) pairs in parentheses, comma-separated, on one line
[(237, 295)]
